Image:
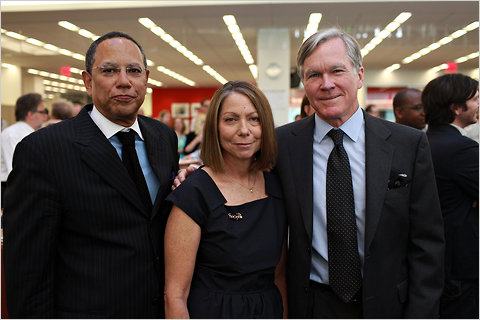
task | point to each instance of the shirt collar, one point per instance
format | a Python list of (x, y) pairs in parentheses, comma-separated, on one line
[(110, 128), (463, 132), (352, 127)]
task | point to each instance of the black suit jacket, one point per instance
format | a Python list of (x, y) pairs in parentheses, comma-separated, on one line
[(78, 241), (404, 242), (455, 159)]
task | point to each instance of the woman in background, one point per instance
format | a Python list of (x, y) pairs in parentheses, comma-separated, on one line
[(179, 127), (225, 236)]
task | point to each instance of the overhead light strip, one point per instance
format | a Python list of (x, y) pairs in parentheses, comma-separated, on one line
[(441, 42), (176, 76), (382, 35), (158, 31), (44, 45), (444, 66), (241, 44), (55, 76), (84, 33), (312, 26), (62, 85)]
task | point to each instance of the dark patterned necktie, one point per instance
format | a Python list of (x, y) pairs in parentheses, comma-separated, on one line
[(343, 258), (130, 161)]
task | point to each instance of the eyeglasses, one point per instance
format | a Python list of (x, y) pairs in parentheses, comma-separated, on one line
[(44, 111), (417, 107), (110, 71)]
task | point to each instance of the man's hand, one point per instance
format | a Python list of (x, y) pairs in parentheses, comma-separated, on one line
[(182, 174)]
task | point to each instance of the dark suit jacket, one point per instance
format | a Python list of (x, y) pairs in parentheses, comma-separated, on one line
[(78, 241), (403, 231), (455, 159)]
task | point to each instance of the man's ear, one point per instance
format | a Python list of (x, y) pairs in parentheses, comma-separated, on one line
[(398, 113), (87, 80), (456, 109)]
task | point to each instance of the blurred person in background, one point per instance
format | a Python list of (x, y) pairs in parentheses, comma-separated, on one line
[(305, 108), (165, 117), (451, 103), (30, 114), (408, 108), (62, 109), (372, 109), (180, 127)]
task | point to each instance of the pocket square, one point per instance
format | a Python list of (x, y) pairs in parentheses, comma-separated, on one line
[(398, 181)]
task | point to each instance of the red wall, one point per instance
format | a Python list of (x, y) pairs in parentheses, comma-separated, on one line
[(162, 98)]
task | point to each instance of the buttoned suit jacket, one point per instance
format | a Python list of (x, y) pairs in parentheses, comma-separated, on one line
[(79, 242), (455, 159), (404, 243)]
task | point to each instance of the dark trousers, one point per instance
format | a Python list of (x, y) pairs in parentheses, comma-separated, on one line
[(459, 299), (323, 303)]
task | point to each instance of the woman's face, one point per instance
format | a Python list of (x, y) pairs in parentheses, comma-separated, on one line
[(239, 128)]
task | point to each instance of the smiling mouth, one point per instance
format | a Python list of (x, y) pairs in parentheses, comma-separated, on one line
[(329, 98), (123, 98)]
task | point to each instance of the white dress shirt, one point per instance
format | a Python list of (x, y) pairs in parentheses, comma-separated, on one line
[(11, 136)]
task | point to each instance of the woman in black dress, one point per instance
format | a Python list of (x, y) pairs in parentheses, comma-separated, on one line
[(225, 245)]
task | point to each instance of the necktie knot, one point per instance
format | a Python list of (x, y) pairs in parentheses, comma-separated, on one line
[(127, 138), (337, 136)]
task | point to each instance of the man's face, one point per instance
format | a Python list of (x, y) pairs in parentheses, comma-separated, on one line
[(470, 114), (37, 118), (411, 113), (117, 95), (331, 83)]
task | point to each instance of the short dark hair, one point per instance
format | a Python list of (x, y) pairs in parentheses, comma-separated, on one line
[(90, 56), (25, 104), (211, 152), (62, 109), (401, 97), (443, 92)]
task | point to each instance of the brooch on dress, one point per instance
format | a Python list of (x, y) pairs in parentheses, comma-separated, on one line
[(235, 216)]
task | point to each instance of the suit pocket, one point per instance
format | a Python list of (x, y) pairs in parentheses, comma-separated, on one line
[(402, 291)]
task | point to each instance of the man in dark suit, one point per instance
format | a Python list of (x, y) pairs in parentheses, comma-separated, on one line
[(81, 239), (451, 104), (397, 224)]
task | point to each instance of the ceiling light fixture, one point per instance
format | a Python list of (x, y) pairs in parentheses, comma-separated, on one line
[(83, 32), (237, 36), (312, 26), (44, 45), (158, 31), (176, 76), (214, 74), (441, 42), (382, 35), (444, 66), (55, 76)]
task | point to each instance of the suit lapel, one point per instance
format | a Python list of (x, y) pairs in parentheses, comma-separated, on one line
[(379, 155), (99, 154), (301, 152)]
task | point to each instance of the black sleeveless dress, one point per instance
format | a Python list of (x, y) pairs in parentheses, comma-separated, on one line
[(240, 247)]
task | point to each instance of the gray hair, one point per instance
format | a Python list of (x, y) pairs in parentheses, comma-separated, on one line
[(306, 49)]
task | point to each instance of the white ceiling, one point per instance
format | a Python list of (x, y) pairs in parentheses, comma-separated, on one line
[(199, 26)]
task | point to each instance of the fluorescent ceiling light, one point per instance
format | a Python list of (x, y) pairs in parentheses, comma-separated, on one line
[(237, 35), (382, 35), (439, 43), (68, 25), (149, 24)]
